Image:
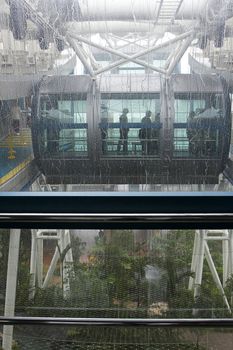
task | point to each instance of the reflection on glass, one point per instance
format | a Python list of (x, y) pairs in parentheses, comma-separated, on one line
[(197, 126), (65, 124)]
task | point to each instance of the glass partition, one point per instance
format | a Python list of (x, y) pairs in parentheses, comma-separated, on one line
[(64, 120)]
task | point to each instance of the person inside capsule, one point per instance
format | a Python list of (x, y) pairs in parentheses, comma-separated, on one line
[(202, 129), (145, 133), (124, 130), (56, 120), (104, 127)]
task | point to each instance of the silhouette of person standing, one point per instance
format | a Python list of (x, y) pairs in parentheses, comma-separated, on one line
[(146, 133), (124, 129), (104, 128)]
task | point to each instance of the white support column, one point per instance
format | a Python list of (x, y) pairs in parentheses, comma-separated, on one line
[(68, 242), (215, 275), (230, 262), (179, 54), (67, 264), (33, 261), (170, 58), (225, 259), (61, 249), (91, 57), (199, 265), (40, 261), (194, 259), (51, 269), (11, 284), (77, 49), (201, 240)]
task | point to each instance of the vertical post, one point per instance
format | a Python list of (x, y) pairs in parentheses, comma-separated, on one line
[(194, 259), (225, 257), (60, 249), (12, 271), (39, 260), (33, 265), (167, 118), (215, 276), (199, 265), (230, 262), (51, 269), (67, 264), (230, 257)]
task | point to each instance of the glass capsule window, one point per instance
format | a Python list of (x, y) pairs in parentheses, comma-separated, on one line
[(198, 125), (64, 119), (129, 121)]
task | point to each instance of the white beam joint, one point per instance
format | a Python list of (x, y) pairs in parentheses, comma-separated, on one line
[(79, 52)]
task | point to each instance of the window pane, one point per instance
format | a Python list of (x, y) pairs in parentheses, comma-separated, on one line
[(65, 125), (130, 125), (146, 274)]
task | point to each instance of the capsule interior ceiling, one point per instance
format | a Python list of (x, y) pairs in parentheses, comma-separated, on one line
[(115, 93)]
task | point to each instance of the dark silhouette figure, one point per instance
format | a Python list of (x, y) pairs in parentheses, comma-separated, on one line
[(104, 128), (123, 132), (145, 133)]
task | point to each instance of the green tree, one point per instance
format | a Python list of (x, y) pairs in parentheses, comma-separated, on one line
[(120, 262)]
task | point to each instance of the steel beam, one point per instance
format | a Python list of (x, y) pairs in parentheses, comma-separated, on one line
[(179, 54), (134, 58), (11, 285), (78, 50)]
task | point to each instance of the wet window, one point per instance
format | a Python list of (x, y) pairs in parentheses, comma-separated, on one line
[(126, 274), (115, 96)]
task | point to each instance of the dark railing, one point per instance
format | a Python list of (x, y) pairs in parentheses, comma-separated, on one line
[(93, 210), (117, 322)]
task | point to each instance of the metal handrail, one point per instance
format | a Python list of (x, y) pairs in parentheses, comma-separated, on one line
[(130, 218), (94, 210), (118, 322)]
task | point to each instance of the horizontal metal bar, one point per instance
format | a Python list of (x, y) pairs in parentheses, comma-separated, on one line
[(48, 237), (48, 308), (93, 210), (121, 322), (115, 202), (129, 218)]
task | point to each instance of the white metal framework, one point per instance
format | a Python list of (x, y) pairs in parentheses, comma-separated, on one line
[(201, 250), (113, 26)]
